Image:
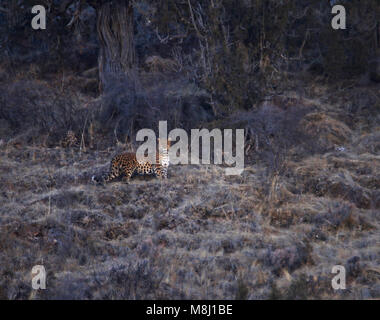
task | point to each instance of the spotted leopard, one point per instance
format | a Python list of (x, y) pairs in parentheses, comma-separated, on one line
[(125, 165)]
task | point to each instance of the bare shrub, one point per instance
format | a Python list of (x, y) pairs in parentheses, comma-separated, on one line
[(290, 258), (327, 132), (159, 64), (34, 109), (272, 133), (369, 143), (125, 108)]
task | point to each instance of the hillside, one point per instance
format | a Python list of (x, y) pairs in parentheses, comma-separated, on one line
[(198, 235)]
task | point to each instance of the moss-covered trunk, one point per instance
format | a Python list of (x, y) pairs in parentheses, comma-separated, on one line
[(375, 65), (117, 58)]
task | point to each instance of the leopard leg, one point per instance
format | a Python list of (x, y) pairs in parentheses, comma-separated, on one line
[(104, 178), (161, 173), (127, 176), (113, 174), (148, 169), (165, 173)]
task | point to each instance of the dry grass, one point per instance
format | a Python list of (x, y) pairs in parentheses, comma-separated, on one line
[(327, 131), (199, 235), (271, 233)]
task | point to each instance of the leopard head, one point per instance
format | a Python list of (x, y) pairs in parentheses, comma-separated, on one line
[(165, 145)]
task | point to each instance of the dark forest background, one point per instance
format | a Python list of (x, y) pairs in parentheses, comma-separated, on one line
[(131, 63)]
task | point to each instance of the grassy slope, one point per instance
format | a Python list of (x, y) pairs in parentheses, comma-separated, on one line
[(200, 234)]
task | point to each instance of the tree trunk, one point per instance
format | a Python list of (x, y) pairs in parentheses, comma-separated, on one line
[(375, 65), (117, 58)]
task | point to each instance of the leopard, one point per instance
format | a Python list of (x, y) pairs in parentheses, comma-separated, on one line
[(124, 165)]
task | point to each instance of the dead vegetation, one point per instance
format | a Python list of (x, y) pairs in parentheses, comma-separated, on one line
[(200, 235)]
